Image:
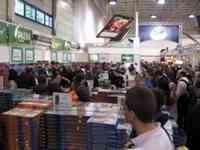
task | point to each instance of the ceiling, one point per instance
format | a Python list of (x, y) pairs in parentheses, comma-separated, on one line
[(173, 11)]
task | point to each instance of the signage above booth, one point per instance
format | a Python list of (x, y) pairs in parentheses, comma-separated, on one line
[(19, 35), (159, 32)]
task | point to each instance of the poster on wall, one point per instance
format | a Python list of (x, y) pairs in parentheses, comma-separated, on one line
[(54, 56), (159, 32), (116, 28), (94, 58), (67, 57), (127, 58), (3, 33), (17, 55), (29, 55)]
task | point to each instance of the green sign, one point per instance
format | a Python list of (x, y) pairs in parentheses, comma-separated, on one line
[(19, 36), (127, 58), (58, 44), (3, 33), (29, 56)]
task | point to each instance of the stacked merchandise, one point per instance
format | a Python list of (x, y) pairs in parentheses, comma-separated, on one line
[(64, 129), (43, 105), (104, 134), (22, 128)]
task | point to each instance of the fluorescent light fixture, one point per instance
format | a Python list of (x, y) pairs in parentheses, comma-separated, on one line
[(191, 16), (112, 2), (153, 17), (161, 2)]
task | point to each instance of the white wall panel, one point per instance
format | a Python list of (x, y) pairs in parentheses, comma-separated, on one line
[(4, 54)]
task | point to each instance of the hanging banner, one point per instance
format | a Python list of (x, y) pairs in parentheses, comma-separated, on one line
[(3, 33), (19, 36), (58, 44), (159, 32)]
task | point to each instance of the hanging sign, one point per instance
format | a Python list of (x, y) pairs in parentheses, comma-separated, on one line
[(58, 44)]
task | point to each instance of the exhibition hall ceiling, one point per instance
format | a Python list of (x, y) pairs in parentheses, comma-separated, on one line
[(177, 11)]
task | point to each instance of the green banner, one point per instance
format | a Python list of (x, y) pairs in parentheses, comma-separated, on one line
[(19, 36), (58, 44), (3, 33)]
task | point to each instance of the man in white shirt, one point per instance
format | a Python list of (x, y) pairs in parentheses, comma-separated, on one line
[(141, 105)]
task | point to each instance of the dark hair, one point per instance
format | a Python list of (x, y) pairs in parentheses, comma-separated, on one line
[(42, 80), (65, 83), (142, 101), (160, 98)]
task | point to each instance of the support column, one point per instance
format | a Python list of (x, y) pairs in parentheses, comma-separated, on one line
[(137, 38)]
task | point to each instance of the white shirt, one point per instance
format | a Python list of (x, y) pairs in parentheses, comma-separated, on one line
[(156, 139)]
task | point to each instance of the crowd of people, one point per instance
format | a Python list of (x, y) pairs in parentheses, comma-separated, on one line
[(163, 93)]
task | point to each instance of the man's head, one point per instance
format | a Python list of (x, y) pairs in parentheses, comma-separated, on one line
[(141, 105)]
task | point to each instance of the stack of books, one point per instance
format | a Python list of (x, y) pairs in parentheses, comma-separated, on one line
[(104, 134), (35, 104), (64, 129), (22, 128)]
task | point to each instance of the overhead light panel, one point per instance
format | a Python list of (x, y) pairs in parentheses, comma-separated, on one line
[(191, 16), (153, 17), (112, 2), (161, 2)]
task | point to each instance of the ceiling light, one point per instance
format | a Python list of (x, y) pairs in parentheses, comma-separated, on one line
[(112, 2), (191, 16), (153, 17), (161, 2)]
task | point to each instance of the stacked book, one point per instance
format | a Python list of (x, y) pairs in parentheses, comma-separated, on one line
[(22, 128), (64, 129), (35, 104), (104, 134)]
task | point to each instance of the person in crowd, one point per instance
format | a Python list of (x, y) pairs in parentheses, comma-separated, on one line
[(197, 85), (27, 79), (148, 81), (131, 75), (160, 116), (193, 128), (54, 84), (81, 88), (41, 88), (182, 98), (141, 108), (162, 82)]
